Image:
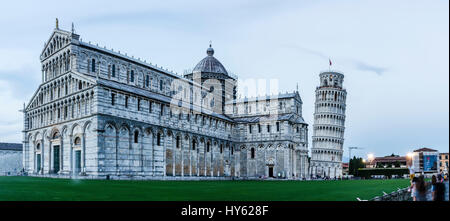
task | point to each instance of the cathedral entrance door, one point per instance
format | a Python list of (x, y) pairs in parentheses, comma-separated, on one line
[(56, 159), (77, 161), (270, 171), (38, 162)]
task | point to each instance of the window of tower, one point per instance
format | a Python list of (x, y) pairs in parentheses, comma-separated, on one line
[(113, 98), (178, 142), (252, 155), (132, 76), (113, 70), (136, 136), (158, 139), (93, 65)]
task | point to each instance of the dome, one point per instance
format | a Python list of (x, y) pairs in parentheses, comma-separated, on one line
[(210, 64)]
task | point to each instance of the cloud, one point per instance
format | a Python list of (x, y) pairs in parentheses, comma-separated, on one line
[(306, 51), (371, 68)]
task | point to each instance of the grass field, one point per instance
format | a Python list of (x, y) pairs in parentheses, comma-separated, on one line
[(47, 189)]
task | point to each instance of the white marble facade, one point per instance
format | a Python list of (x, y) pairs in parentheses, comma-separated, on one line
[(100, 113)]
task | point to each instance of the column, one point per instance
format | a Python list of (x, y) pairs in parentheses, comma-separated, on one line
[(204, 157), (164, 153), (153, 154), (71, 166), (174, 148), (190, 157), (83, 158), (142, 152), (61, 154), (182, 155), (50, 156)]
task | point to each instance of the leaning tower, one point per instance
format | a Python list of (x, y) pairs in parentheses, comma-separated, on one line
[(329, 119)]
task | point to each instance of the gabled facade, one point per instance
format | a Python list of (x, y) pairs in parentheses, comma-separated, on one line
[(99, 113)]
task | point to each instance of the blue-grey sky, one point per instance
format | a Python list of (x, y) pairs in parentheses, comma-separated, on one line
[(394, 54)]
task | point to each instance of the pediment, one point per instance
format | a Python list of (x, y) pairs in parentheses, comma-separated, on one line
[(58, 40)]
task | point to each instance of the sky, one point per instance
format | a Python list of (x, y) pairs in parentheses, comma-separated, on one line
[(394, 55)]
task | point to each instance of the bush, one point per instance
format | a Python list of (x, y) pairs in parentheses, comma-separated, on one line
[(368, 172)]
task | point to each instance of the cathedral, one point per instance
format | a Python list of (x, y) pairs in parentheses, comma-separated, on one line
[(99, 113)]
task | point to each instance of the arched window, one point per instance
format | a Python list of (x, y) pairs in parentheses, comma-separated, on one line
[(252, 153), (158, 139), (178, 142), (132, 76), (147, 80), (138, 104), (221, 148), (55, 135), (38, 147), (232, 150), (207, 146), (93, 65), (193, 144), (136, 136), (80, 86), (113, 70), (77, 141)]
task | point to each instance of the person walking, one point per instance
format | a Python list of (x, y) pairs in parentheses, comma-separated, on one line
[(420, 189), (412, 188), (437, 188)]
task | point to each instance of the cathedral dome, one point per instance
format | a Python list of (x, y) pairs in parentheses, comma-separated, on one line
[(210, 64)]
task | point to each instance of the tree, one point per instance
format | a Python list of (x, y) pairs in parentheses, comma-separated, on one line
[(354, 165)]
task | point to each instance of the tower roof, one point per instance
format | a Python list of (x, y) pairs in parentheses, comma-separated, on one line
[(210, 64)]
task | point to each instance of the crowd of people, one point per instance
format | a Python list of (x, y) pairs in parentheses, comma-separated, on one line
[(422, 190)]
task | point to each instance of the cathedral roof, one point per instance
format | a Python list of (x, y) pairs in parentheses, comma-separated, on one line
[(210, 64), (266, 97), (159, 97), (280, 117)]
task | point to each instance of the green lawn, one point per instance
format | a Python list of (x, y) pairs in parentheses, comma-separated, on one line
[(33, 188)]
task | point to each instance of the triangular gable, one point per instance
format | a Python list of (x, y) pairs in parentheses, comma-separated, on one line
[(57, 34)]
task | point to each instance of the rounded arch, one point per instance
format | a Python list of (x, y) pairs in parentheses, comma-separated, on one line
[(55, 134), (86, 126), (75, 129)]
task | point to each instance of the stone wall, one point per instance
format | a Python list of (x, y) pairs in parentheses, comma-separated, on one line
[(10, 162), (399, 195)]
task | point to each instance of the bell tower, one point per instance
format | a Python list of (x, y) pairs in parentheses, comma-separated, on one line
[(329, 125)]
